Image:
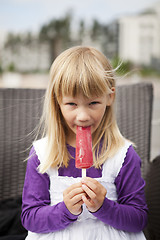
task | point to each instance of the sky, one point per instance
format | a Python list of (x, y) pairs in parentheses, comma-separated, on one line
[(30, 15)]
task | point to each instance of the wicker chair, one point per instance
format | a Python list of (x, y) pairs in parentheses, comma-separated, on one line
[(134, 115), (153, 199), (20, 110)]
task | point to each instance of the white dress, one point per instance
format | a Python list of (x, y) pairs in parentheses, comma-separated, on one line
[(87, 227)]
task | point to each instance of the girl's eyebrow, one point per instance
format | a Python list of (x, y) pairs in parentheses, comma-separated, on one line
[(68, 99), (73, 99)]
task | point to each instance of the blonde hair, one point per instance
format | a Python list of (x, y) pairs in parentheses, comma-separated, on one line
[(78, 69)]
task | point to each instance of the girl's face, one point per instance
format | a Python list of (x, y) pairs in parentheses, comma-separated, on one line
[(81, 111)]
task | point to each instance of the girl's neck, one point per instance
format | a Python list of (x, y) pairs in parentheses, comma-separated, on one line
[(71, 143), (71, 140)]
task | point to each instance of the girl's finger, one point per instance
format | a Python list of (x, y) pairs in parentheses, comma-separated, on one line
[(75, 192), (92, 184), (89, 192), (87, 202), (73, 186), (88, 179), (77, 198)]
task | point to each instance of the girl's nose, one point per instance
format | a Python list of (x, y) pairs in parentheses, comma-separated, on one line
[(83, 115)]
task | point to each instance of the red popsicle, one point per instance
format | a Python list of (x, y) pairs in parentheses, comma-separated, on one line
[(84, 155)]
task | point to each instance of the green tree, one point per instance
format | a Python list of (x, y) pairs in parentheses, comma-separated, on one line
[(96, 30), (13, 41), (123, 67), (11, 67), (1, 69), (81, 32), (57, 33), (28, 39)]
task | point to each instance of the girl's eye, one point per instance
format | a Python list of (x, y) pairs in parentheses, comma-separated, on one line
[(93, 103), (71, 104)]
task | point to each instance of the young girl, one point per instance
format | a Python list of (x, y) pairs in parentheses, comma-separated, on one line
[(57, 203)]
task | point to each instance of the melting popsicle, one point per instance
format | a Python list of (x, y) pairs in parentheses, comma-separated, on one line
[(84, 155)]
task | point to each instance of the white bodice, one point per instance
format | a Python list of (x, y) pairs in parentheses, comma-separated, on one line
[(87, 226)]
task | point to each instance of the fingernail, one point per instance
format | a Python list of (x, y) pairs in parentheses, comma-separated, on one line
[(83, 180), (84, 186)]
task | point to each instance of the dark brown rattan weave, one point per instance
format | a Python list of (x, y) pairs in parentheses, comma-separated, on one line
[(153, 199), (20, 111), (134, 115)]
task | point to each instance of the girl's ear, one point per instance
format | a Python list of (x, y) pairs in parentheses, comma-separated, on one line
[(111, 97)]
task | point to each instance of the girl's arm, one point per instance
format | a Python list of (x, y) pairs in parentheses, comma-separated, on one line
[(129, 213), (37, 215)]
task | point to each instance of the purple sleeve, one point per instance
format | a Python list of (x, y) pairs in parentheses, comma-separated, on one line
[(37, 214), (129, 213)]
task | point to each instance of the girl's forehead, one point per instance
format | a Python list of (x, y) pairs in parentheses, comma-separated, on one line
[(82, 96), (86, 88), (88, 92)]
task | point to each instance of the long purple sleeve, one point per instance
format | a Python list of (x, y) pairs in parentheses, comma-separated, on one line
[(129, 213), (37, 215)]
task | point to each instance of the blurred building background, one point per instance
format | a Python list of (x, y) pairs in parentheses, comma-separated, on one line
[(132, 40), (139, 37)]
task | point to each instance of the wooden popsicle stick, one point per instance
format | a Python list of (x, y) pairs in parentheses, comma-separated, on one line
[(83, 172)]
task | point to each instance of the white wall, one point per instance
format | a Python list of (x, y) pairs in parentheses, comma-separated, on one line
[(139, 38)]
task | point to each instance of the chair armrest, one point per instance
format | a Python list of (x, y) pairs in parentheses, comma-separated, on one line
[(152, 191)]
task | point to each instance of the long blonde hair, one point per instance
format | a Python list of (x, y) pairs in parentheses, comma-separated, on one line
[(78, 69)]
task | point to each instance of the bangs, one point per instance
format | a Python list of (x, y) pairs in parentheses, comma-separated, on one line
[(82, 73)]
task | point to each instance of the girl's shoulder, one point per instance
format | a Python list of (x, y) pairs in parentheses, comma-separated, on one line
[(115, 163), (40, 148), (122, 151), (40, 142)]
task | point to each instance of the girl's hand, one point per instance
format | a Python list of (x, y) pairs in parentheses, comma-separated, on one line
[(72, 198), (95, 194)]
